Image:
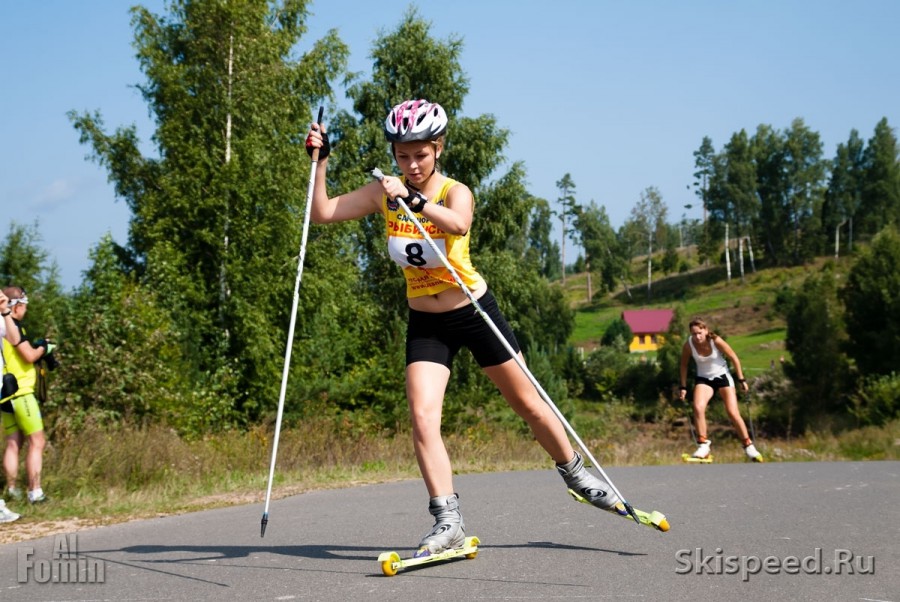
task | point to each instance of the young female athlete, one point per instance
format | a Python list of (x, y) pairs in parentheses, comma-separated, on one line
[(441, 320), (710, 352)]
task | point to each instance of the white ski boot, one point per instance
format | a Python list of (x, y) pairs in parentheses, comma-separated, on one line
[(585, 485), (752, 453), (448, 531), (702, 450)]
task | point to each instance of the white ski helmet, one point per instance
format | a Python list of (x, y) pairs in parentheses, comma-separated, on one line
[(414, 120)]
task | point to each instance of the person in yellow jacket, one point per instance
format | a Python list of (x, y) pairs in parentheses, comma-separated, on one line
[(441, 317), (9, 332), (20, 414)]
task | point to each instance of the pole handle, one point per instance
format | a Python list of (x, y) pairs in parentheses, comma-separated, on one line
[(315, 153)]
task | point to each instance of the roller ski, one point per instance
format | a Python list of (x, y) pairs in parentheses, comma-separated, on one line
[(584, 487), (694, 460), (391, 563), (656, 520), (447, 538)]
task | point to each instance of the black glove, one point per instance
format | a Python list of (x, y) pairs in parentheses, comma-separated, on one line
[(323, 151), (416, 201)]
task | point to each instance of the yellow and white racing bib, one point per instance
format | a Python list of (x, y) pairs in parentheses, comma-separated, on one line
[(423, 269)]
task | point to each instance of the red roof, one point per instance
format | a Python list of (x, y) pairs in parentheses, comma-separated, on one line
[(648, 321)]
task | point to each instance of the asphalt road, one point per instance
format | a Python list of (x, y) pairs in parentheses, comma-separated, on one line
[(778, 531)]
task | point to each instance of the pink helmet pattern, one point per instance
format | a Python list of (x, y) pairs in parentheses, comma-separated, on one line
[(414, 120)]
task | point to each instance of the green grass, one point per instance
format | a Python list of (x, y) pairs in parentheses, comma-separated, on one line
[(107, 475), (760, 351), (741, 311), (590, 324)]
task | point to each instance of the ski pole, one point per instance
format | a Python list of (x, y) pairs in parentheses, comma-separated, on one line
[(750, 416), (290, 339), (690, 410), (378, 175)]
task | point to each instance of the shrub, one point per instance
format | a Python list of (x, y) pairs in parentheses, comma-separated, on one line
[(776, 398), (877, 400)]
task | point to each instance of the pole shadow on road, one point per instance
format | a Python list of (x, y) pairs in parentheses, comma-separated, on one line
[(167, 553)]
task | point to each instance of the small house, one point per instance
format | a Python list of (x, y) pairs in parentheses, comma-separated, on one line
[(648, 327)]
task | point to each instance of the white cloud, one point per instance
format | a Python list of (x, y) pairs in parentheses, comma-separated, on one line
[(53, 195)]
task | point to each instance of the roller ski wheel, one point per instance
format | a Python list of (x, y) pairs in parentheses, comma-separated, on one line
[(692, 460), (391, 563), (655, 520)]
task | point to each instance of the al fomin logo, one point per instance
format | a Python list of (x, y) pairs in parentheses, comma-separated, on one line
[(65, 565)]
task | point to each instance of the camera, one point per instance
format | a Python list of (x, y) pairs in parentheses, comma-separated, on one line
[(51, 361), (49, 358)]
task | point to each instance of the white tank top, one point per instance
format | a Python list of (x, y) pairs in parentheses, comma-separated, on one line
[(709, 366)]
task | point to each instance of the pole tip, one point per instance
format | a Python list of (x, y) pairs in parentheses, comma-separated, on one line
[(631, 511), (263, 523)]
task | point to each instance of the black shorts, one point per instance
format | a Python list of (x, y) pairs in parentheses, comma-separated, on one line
[(438, 337), (719, 382)]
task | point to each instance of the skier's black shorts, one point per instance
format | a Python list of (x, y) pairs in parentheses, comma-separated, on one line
[(438, 337), (719, 382)]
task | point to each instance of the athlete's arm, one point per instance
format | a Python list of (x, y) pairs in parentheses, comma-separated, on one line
[(685, 358), (10, 331), (29, 352), (8, 327), (358, 203), (456, 216), (728, 352)]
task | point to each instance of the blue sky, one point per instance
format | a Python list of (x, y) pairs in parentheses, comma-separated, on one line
[(617, 94)]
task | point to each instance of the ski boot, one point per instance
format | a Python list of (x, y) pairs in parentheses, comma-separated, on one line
[(701, 456), (585, 485), (752, 453), (588, 489), (703, 451), (448, 531)]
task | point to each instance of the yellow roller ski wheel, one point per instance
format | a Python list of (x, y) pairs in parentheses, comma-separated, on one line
[(387, 567), (471, 541), (387, 564), (658, 521)]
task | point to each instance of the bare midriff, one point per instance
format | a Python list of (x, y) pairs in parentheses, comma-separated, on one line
[(452, 298)]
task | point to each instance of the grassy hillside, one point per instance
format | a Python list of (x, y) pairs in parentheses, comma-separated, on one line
[(743, 312)]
